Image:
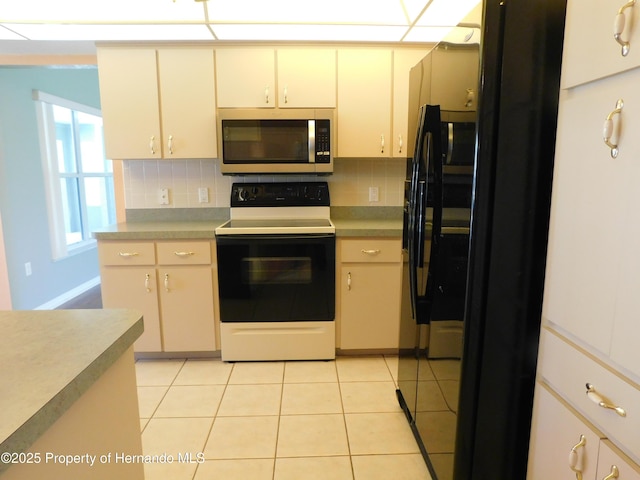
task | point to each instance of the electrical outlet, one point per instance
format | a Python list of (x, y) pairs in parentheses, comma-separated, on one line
[(163, 196), (373, 194), (203, 195), (27, 269)]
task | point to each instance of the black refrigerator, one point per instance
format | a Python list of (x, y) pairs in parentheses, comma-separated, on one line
[(485, 432)]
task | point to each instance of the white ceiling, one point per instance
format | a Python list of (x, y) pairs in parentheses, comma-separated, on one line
[(72, 26)]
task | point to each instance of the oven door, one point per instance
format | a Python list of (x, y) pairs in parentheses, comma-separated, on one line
[(276, 278)]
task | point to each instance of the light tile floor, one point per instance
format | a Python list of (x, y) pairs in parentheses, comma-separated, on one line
[(276, 420)]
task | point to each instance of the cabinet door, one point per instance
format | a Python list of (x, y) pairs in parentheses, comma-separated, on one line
[(187, 92), (186, 299), (370, 305), (307, 78), (590, 50), (246, 77), (403, 61), (555, 430), (364, 102), (593, 229), (135, 287), (610, 457), (129, 99)]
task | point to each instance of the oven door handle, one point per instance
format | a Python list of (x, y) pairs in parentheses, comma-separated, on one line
[(260, 236)]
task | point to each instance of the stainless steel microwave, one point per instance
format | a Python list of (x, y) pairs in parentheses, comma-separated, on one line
[(275, 141)]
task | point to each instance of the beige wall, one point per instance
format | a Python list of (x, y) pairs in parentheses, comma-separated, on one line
[(349, 184)]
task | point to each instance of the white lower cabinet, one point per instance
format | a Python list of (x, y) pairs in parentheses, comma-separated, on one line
[(564, 444), (612, 462), (171, 283), (369, 289), (560, 440)]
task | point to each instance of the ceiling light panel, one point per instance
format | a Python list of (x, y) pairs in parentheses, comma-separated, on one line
[(112, 32), (446, 12), (104, 11), (7, 34), (339, 33), (358, 12)]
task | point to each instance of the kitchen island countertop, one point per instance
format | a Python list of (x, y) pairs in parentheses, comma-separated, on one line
[(49, 359)]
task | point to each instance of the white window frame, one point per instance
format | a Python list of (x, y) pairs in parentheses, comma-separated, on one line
[(52, 175)]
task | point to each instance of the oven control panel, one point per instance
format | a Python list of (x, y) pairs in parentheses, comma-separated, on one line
[(280, 194)]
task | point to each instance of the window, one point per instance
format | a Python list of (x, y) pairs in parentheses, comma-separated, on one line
[(78, 177)]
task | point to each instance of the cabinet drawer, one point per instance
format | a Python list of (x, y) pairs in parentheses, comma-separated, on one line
[(184, 253), (126, 253), (567, 370), (371, 251), (610, 456), (590, 51), (555, 430)]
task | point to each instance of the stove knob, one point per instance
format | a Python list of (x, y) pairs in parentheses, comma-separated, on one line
[(243, 195)]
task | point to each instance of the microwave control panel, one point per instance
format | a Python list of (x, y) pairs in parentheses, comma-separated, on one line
[(323, 141)]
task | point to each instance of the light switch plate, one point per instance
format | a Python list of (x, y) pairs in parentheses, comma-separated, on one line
[(373, 194), (203, 195)]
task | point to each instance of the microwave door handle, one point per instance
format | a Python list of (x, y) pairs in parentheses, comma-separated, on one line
[(449, 143), (312, 141)]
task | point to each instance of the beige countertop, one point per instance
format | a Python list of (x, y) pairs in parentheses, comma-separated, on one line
[(48, 360), (160, 225), (159, 230)]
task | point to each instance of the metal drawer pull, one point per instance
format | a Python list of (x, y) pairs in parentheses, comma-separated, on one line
[(166, 282), (381, 143), (607, 130), (618, 27), (128, 254), (151, 145), (146, 283), (370, 252), (573, 457), (400, 143), (349, 281), (184, 254), (614, 473), (170, 144), (603, 402)]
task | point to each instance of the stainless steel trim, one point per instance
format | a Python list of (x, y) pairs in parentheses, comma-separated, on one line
[(450, 146), (312, 141)]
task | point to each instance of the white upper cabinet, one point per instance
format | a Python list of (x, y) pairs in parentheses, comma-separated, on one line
[(129, 102), (158, 103), (267, 78), (364, 102), (187, 93), (246, 77), (306, 77), (590, 50)]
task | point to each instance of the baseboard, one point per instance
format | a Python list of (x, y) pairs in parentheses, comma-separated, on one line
[(65, 297)]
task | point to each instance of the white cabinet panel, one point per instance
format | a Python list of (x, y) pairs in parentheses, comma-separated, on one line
[(364, 103), (129, 102), (187, 95), (609, 458), (246, 77), (590, 51), (306, 78), (567, 371), (593, 206), (555, 432)]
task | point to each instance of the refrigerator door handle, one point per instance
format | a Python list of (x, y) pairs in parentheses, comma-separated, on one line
[(449, 143)]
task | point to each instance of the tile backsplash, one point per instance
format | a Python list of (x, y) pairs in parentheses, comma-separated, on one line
[(349, 184)]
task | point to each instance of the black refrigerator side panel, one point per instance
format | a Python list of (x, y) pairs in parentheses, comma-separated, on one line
[(517, 117)]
